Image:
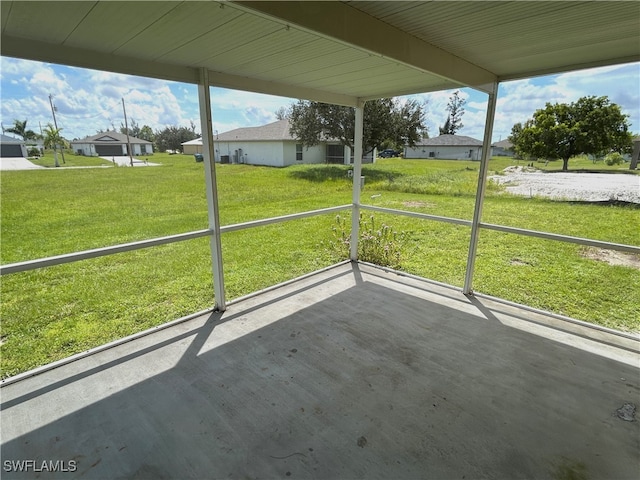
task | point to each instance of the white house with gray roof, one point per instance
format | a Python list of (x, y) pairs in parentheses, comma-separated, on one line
[(270, 145), (448, 147), (108, 144)]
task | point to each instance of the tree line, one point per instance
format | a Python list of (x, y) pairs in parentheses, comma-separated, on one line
[(591, 125), (169, 138)]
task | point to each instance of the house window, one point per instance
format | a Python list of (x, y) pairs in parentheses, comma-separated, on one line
[(299, 152), (432, 154)]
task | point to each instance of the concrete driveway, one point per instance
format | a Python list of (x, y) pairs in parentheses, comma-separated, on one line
[(17, 163)]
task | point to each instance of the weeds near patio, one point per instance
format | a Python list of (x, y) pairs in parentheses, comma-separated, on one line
[(382, 246)]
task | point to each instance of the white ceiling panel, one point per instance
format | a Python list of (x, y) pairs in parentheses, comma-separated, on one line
[(187, 24), (108, 29), (28, 20)]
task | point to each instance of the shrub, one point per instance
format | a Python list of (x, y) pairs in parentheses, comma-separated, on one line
[(381, 246), (33, 152), (613, 158)]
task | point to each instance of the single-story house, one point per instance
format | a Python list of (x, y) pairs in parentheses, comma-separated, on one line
[(107, 144), (452, 147), (192, 146), (270, 145), (503, 148), (12, 147)]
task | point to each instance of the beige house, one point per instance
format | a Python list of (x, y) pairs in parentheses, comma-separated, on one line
[(192, 146)]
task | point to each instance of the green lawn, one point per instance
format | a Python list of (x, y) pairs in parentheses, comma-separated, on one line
[(70, 160), (51, 313)]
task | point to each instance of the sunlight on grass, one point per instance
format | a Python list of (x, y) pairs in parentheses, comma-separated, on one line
[(54, 312), (557, 277)]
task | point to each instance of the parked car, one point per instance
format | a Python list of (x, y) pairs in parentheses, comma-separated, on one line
[(388, 153)]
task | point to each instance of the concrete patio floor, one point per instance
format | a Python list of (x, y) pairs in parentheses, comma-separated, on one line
[(352, 372)]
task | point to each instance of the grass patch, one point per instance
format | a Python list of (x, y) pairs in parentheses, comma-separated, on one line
[(54, 312), (557, 277), (70, 160)]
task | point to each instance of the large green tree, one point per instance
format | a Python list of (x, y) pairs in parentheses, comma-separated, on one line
[(387, 121), (20, 128), (53, 139), (592, 125)]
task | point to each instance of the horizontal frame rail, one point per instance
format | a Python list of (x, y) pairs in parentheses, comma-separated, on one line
[(424, 216), (100, 252), (282, 218), (518, 231), (127, 247), (563, 238)]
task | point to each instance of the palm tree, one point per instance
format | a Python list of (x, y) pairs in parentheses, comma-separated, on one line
[(52, 139), (20, 128)]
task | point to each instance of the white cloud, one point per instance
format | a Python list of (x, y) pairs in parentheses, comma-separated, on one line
[(89, 100), (517, 100)]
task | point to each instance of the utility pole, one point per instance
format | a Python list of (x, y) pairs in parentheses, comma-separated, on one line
[(55, 123), (126, 127)]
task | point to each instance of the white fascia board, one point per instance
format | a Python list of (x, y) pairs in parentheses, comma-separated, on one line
[(569, 68), (446, 85), (78, 57), (83, 58), (340, 22), (225, 80)]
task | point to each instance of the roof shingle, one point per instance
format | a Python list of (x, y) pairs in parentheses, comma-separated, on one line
[(450, 140)]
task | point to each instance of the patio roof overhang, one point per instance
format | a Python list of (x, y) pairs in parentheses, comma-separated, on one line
[(335, 52), (343, 53)]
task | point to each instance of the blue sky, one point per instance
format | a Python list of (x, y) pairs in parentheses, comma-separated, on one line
[(89, 100)]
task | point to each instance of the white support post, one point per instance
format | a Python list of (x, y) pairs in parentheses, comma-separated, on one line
[(482, 183), (204, 99), (357, 173)]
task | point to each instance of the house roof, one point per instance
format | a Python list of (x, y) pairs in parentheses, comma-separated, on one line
[(6, 139), (275, 131), (336, 52), (450, 141), (506, 144), (272, 131), (110, 138)]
